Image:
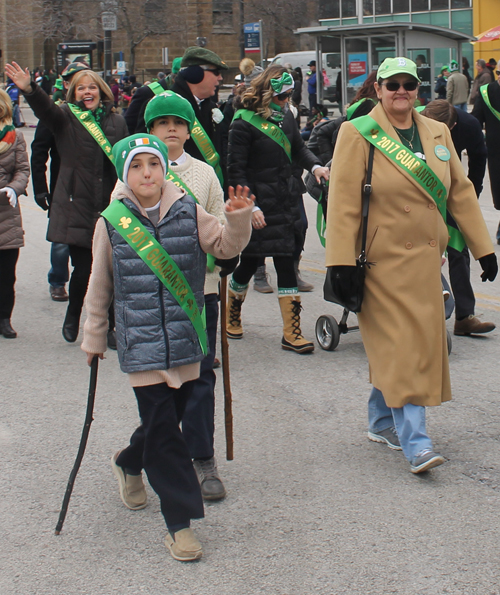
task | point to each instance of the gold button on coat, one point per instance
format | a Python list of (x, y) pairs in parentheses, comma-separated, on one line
[(432, 206), (409, 245), (433, 243), (407, 209)]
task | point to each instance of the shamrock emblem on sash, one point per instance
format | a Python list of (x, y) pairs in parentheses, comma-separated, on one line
[(125, 222)]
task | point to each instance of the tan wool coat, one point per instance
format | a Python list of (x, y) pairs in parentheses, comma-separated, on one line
[(402, 321)]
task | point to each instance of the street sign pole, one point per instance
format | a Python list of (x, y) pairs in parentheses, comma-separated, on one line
[(261, 43), (107, 55)]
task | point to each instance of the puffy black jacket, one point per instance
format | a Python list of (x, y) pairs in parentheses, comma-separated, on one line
[(257, 161), (86, 176), (134, 116), (324, 136)]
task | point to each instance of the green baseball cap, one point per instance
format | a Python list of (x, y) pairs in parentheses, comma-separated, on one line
[(445, 67), (72, 69), (196, 56), (169, 104), (125, 149), (393, 66)]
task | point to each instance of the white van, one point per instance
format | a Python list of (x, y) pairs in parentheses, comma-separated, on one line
[(331, 64)]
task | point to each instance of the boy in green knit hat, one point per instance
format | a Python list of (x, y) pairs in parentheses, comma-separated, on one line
[(150, 252), (170, 117)]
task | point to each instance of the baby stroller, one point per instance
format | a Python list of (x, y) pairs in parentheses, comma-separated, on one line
[(327, 329)]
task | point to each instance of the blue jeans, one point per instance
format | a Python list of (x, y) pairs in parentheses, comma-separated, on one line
[(59, 272), (409, 421), (462, 106)]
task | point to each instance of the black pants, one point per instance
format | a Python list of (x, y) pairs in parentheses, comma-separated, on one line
[(8, 261), (81, 260), (283, 265), (459, 266), (158, 447), (198, 418)]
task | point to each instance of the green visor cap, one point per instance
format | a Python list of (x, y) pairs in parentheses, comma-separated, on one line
[(392, 66), (169, 104)]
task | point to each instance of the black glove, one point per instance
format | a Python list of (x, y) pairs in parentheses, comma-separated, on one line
[(344, 281), (227, 266), (43, 200), (489, 265)]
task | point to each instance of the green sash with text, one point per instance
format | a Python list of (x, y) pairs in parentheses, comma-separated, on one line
[(87, 120), (268, 128), (407, 161), (159, 261)]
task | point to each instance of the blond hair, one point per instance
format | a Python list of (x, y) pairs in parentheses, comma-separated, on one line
[(260, 93), (105, 91), (5, 106)]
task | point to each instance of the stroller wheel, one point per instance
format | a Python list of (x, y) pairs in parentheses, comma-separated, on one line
[(327, 332), (449, 341)]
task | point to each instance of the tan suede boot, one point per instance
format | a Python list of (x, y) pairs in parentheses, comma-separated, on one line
[(292, 337), (235, 300)]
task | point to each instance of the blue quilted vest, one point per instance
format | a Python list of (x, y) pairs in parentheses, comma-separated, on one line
[(152, 330)]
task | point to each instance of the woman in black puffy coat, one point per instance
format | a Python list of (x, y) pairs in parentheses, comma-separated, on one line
[(264, 142)]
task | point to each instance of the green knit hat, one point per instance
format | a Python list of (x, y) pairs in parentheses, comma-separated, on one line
[(125, 149), (393, 66), (453, 66), (176, 65), (169, 104)]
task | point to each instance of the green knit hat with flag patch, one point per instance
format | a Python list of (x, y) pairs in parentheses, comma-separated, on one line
[(125, 150), (169, 103)]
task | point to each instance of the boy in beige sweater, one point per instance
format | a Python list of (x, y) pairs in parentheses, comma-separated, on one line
[(149, 252)]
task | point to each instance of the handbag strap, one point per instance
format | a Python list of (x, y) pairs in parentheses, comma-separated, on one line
[(367, 190)]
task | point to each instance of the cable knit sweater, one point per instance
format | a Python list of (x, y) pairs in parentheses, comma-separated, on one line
[(200, 178), (223, 241)]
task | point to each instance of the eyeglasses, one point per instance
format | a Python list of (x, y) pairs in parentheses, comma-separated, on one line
[(214, 71), (283, 96), (498, 72), (394, 86)]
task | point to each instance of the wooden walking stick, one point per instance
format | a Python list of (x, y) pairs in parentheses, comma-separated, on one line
[(83, 443), (226, 379)]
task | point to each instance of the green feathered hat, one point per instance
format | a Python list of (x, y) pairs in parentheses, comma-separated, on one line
[(169, 104), (125, 149)]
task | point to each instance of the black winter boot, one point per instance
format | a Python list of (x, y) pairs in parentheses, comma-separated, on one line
[(6, 329)]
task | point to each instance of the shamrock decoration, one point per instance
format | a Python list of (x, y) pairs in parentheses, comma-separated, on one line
[(125, 222)]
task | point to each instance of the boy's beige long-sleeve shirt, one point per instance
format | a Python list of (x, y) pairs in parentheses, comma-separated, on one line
[(223, 241)]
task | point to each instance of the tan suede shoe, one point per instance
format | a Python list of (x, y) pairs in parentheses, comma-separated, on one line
[(184, 546), (132, 490), (472, 326)]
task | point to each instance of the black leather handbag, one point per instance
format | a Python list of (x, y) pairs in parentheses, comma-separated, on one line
[(331, 291)]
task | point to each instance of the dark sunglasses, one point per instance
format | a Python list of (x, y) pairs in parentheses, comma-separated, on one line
[(214, 71), (285, 95), (408, 86)]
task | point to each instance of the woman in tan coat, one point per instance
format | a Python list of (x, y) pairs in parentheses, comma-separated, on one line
[(416, 176), (14, 174)]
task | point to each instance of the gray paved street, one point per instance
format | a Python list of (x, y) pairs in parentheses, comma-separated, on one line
[(312, 505)]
